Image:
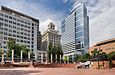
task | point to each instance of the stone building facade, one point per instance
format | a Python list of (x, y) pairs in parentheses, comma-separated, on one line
[(51, 35)]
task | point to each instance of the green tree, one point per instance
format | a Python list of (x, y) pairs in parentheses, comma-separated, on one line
[(50, 47), (76, 57), (65, 58), (54, 50), (82, 58), (0, 52), (11, 45), (103, 56), (17, 49), (24, 50), (110, 57), (54, 53), (86, 57), (94, 54), (98, 55), (59, 52)]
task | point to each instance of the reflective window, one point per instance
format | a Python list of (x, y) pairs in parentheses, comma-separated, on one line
[(5, 29), (1, 23), (80, 22), (80, 16), (18, 24), (6, 16), (5, 33), (78, 46), (1, 19), (79, 40), (1, 14), (6, 20), (63, 26), (10, 17), (79, 28), (79, 11), (10, 21), (14, 35), (79, 34), (1, 32), (6, 24)]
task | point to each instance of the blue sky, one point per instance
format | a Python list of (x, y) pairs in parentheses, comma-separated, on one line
[(56, 5), (44, 10), (101, 14)]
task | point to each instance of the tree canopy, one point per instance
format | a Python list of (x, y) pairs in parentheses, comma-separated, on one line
[(55, 50), (17, 49)]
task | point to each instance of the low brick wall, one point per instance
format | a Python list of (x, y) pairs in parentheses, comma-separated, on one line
[(23, 64), (6, 65), (56, 65), (105, 65)]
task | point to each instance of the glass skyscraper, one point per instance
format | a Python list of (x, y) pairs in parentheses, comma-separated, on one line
[(75, 31)]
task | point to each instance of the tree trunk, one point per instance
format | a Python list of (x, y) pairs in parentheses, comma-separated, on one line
[(29, 55)]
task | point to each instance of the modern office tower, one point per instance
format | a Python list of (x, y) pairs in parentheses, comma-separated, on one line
[(23, 28), (75, 31)]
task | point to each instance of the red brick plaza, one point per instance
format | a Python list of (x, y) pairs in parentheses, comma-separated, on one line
[(55, 71)]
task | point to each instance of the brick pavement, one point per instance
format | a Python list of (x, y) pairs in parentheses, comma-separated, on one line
[(55, 71)]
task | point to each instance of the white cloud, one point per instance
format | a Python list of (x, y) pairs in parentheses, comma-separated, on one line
[(44, 24), (102, 20), (65, 1), (36, 10)]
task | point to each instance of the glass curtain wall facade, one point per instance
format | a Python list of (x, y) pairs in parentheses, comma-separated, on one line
[(75, 31)]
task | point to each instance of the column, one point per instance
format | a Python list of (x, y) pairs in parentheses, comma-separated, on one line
[(73, 58), (46, 59), (29, 55), (51, 58), (67, 59), (60, 58), (2, 62), (41, 57), (21, 55), (12, 56), (36, 55), (56, 57)]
